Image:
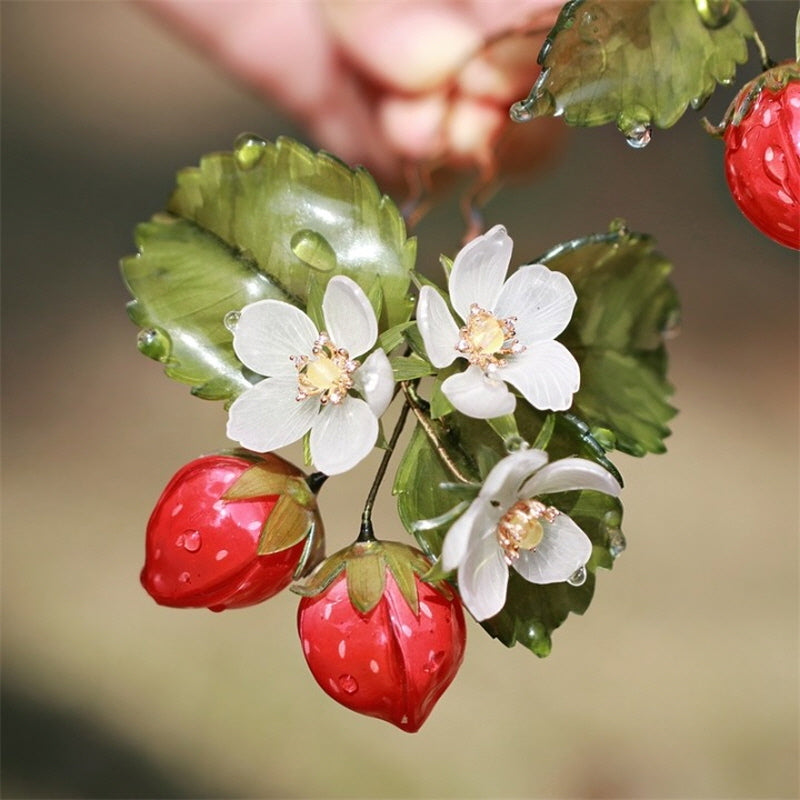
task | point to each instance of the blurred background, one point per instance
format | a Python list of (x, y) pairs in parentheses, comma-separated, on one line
[(681, 680)]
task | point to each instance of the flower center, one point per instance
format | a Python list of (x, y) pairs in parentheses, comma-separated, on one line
[(485, 339), (519, 528), (326, 373)]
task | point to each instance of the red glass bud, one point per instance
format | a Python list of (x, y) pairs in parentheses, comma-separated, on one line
[(388, 662), (762, 154), (201, 549)]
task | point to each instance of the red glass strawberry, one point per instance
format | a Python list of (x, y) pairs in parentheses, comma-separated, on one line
[(229, 531), (762, 153), (377, 638)]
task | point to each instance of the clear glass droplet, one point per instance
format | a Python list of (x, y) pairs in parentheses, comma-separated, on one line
[(578, 578), (185, 577), (616, 543), (521, 111), (231, 320), (639, 136), (248, 150), (154, 343), (348, 684), (191, 541), (314, 250)]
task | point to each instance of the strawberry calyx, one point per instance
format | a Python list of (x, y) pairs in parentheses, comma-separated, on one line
[(364, 565)]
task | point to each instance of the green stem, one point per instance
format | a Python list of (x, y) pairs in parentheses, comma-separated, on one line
[(366, 533), (425, 424)]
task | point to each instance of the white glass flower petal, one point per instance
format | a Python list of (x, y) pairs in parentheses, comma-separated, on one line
[(268, 332), (342, 435), (563, 550), (546, 373), (483, 578), (437, 327), (567, 474), (502, 484), (475, 395), (349, 317), (457, 540), (540, 299), (267, 416), (374, 381), (479, 270)]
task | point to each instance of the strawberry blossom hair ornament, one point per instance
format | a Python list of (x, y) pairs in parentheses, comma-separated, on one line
[(508, 332), (310, 377), (506, 525)]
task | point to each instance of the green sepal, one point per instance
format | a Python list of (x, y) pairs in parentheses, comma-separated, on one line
[(288, 523), (394, 337), (365, 566), (636, 63), (266, 477)]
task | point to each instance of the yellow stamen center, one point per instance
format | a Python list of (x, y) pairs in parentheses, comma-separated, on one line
[(326, 373), (485, 339), (520, 529)]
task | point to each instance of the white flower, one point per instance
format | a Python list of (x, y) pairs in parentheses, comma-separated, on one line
[(507, 526), (311, 375), (508, 332)]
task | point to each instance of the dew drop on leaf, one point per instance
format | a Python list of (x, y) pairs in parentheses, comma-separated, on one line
[(521, 111), (248, 150), (578, 578), (348, 684), (154, 343), (616, 543), (231, 320), (314, 250)]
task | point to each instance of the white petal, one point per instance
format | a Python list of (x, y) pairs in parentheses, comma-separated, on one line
[(483, 579), (267, 416), (343, 435), (475, 395), (567, 474), (349, 317), (268, 332), (546, 373), (540, 299), (374, 381), (503, 483), (564, 549), (456, 542), (437, 327), (479, 271)]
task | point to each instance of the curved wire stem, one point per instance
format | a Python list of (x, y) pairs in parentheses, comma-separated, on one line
[(425, 423)]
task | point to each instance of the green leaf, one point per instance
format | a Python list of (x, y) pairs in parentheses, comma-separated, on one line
[(636, 62), (626, 306), (293, 210), (264, 221), (409, 368), (185, 281)]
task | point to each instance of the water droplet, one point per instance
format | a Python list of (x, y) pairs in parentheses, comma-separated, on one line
[(154, 343), (639, 136), (434, 661), (616, 543), (521, 111), (578, 578), (190, 541), (634, 124), (715, 13), (248, 150), (184, 577), (231, 320), (348, 684), (515, 443), (314, 250)]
